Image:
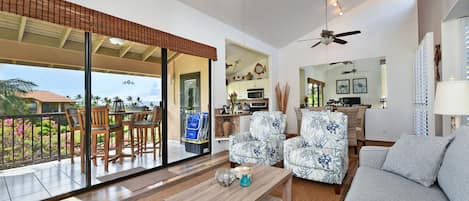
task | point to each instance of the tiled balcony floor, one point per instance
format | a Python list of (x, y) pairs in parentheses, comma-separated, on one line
[(40, 181)]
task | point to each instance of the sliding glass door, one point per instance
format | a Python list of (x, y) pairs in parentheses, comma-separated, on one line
[(188, 106), (79, 108)]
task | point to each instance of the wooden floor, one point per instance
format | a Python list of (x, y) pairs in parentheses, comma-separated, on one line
[(157, 186)]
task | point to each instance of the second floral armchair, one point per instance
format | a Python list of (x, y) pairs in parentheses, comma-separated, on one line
[(263, 144)]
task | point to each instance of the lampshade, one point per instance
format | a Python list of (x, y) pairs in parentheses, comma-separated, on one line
[(452, 98)]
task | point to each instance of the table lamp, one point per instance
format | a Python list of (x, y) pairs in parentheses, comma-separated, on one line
[(452, 98)]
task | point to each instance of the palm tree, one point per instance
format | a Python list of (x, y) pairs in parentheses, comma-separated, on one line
[(107, 101), (96, 99), (11, 103)]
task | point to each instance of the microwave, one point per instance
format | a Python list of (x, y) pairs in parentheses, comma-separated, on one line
[(257, 93)]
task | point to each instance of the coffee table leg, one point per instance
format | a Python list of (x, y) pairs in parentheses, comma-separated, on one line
[(287, 190)]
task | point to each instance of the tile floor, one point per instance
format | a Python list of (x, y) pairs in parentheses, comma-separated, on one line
[(40, 181)]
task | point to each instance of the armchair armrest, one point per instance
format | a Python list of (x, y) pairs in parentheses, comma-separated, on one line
[(292, 144), (241, 137), (373, 156)]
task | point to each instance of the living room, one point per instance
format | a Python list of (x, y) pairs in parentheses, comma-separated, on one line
[(363, 100)]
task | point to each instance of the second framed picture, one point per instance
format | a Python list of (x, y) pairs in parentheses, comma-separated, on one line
[(360, 86)]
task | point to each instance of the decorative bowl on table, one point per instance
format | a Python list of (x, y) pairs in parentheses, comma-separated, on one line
[(241, 170), (225, 177)]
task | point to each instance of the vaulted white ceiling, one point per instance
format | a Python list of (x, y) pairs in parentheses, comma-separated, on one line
[(277, 22)]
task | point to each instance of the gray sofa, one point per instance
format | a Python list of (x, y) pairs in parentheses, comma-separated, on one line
[(373, 184)]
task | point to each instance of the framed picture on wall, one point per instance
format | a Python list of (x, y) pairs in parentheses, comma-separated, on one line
[(342, 86), (360, 86)]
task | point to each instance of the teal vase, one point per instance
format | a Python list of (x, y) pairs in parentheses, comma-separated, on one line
[(245, 181)]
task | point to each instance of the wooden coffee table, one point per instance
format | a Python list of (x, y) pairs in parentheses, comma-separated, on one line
[(264, 180)]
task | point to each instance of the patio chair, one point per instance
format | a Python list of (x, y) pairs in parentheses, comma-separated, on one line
[(71, 115), (99, 125), (142, 121)]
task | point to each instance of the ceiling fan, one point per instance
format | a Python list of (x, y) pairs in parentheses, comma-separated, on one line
[(328, 36)]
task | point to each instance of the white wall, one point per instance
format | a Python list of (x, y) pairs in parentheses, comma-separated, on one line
[(179, 19), (390, 29)]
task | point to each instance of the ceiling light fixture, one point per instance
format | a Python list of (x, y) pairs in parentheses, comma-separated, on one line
[(116, 41), (341, 13), (335, 4)]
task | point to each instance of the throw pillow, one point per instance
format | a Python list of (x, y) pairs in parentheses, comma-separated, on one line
[(453, 177), (417, 158)]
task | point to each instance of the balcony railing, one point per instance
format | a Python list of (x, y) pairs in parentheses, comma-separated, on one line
[(33, 138)]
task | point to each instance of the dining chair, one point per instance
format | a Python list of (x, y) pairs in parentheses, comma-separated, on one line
[(99, 125), (142, 121), (71, 115)]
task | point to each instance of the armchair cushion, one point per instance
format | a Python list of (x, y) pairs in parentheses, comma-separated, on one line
[(245, 149), (324, 129), (265, 124), (314, 158)]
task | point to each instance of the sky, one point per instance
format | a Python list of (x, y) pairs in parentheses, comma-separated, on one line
[(71, 82)]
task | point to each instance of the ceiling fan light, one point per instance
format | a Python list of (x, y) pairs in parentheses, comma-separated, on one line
[(116, 41), (335, 4), (341, 13)]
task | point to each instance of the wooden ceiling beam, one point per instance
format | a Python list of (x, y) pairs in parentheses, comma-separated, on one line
[(64, 37), (22, 27), (173, 57), (148, 52), (125, 48), (97, 43)]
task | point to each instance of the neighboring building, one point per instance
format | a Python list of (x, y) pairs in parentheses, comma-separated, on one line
[(46, 102)]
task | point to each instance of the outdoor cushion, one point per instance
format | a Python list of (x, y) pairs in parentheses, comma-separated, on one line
[(112, 126), (145, 123), (417, 158), (454, 172), (370, 184)]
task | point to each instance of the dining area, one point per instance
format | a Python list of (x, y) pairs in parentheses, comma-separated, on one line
[(115, 134)]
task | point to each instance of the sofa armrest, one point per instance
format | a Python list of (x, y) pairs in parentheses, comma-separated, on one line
[(373, 156)]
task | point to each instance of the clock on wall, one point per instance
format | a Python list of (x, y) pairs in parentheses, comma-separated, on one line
[(259, 69)]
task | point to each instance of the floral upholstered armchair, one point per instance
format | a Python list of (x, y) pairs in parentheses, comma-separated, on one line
[(263, 144), (320, 153)]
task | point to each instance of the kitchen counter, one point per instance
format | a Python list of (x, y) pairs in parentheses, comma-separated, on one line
[(233, 115), (229, 124)]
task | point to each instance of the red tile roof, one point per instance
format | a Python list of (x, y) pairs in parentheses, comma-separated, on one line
[(46, 97)]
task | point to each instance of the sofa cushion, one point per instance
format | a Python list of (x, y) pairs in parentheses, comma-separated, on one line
[(370, 184), (417, 158), (454, 172), (265, 124)]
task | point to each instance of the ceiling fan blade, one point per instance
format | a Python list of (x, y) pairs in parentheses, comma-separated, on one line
[(310, 39), (346, 72), (340, 41), (348, 33), (333, 63), (316, 44)]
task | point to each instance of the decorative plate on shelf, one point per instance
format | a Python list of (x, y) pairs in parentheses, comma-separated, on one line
[(259, 69)]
